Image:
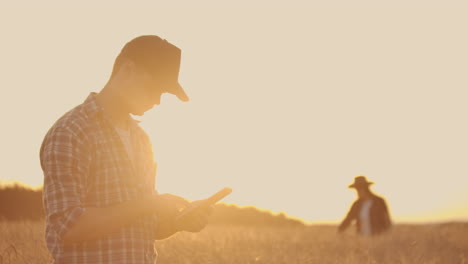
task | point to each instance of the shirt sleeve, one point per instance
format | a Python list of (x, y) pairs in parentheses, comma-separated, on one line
[(350, 217), (65, 162)]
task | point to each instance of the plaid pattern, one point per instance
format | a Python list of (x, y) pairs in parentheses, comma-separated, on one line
[(85, 165)]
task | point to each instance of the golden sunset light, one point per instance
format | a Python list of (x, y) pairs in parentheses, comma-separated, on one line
[(289, 100)]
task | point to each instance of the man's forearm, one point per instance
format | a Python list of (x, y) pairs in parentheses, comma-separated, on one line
[(98, 222), (344, 224), (166, 228)]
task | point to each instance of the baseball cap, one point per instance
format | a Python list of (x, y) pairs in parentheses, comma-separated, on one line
[(160, 58)]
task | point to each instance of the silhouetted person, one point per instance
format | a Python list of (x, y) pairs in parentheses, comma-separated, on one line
[(99, 172), (369, 211)]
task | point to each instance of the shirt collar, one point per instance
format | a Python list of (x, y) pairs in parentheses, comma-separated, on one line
[(91, 106)]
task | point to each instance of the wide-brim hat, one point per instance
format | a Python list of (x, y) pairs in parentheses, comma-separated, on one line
[(160, 58), (360, 181)]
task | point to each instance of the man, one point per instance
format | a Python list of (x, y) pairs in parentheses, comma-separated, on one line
[(369, 211), (99, 174)]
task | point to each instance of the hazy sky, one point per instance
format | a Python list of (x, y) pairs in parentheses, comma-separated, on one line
[(289, 100)]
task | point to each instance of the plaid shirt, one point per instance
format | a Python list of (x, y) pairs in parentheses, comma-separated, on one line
[(85, 165)]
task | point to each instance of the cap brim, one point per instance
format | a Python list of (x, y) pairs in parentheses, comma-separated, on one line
[(178, 91)]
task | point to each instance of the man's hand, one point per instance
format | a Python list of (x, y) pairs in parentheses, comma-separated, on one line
[(195, 221), (167, 207)]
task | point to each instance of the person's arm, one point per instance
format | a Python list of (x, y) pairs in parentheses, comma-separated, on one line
[(168, 226), (348, 219), (165, 222), (98, 222), (95, 222)]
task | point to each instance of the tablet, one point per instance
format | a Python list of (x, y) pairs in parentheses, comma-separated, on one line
[(205, 203)]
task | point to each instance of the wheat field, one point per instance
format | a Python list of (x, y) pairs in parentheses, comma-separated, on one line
[(22, 242)]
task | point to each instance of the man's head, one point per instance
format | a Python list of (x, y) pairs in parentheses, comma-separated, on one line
[(147, 67), (361, 184)]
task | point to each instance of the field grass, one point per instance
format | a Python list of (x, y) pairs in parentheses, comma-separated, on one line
[(22, 242)]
